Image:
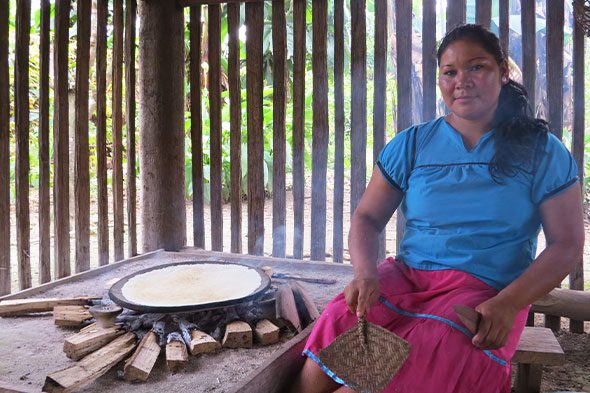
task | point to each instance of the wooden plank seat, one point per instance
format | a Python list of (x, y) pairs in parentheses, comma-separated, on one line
[(537, 347)]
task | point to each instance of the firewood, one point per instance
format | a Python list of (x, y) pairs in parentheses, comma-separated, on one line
[(28, 306), (70, 315), (308, 311), (88, 328), (238, 334), (266, 332), (286, 307), (91, 367), (140, 364), (81, 344), (176, 355), (201, 342)]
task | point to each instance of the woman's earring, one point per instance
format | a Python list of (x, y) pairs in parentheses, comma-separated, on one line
[(504, 79)]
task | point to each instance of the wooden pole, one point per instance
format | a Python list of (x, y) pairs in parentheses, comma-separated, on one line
[(555, 90), (4, 153), (130, 17), (117, 129), (299, 51), (404, 82), (162, 124), (576, 277), (255, 24), (379, 92), (81, 178), (44, 192), (61, 141), (338, 228), (21, 97), (235, 109), (215, 159), (279, 210), (196, 126), (529, 49), (505, 25), (429, 60), (320, 130), (101, 132), (358, 101)]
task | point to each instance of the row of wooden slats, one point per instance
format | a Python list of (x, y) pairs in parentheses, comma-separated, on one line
[(61, 139), (254, 77)]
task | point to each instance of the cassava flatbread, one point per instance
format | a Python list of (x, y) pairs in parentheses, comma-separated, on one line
[(185, 285)]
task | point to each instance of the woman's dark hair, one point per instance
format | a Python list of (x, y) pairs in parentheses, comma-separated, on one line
[(518, 134)]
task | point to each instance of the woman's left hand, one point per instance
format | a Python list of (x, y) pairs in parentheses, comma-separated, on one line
[(497, 318)]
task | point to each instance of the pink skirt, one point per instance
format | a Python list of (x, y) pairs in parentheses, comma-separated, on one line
[(418, 306)]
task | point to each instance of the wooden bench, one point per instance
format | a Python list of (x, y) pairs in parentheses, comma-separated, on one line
[(537, 347)]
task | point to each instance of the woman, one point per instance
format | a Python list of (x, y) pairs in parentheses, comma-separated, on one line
[(474, 186)]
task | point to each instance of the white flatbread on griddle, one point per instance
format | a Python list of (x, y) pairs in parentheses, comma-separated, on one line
[(184, 285)]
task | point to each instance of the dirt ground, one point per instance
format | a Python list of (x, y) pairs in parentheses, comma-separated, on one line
[(573, 375)]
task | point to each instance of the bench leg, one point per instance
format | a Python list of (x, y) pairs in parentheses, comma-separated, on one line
[(528, 378)]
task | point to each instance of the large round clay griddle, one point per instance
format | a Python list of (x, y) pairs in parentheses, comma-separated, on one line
[(116, 292)]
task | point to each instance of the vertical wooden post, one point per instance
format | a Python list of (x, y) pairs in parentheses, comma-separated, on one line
[(255, 25), (320, 130), (215, 179), (130, 17), (455, 13), (279, 209), (102, 15), (235, 108), (428, 60), (379, 93), (505, 25), (4, 153), (358, 101), (44, 192), (117, 130), (196, 126), (483, 13), (22, 167), (161, 59), (338, 228), (61, 141), (81, 178), (403, 36), (576, 277), (529, 49), (555, 90), (299, 51)]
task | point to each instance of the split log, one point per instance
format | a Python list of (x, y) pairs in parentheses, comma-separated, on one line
[(565, 303), (91, 367), (176, 355), (70, 315), (266, 332), (286, 307), (308, 311), (81, 344), (88, 328), (140, 364), (238, 334), (201, 342), (28, 306)]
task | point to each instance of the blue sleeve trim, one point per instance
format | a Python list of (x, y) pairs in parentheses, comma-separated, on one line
[(559, 189), (330, 373), (443, 320), (388, 178)]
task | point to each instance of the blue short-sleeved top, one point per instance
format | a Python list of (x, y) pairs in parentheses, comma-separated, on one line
[(457, 216)]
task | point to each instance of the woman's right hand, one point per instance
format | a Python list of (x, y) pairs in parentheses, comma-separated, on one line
[(361, 293)]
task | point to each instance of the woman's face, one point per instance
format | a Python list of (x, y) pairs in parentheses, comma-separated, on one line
[(470, 80)]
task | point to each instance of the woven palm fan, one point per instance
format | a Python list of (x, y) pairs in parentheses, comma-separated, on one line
[(366, 357)]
